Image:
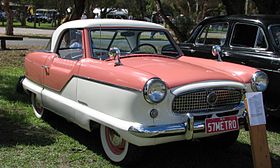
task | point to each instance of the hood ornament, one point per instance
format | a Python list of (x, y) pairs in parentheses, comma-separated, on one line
[(115, 53), (217, 52)]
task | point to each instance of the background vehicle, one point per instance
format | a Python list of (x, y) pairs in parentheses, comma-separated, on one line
[(43, 15), (246, 40)]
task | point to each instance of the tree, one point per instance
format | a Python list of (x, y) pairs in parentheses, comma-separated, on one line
[(234, 7), (79, 8), (268, 6), (185, 14), (176, 31), (9, 14)]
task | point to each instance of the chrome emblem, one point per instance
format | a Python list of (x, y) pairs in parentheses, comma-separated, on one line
[(211, 98)]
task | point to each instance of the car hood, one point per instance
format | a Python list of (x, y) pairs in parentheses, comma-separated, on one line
[(178, 72), (135, 71)]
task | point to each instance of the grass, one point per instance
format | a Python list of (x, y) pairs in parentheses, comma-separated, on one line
[(30, 25), (26, 141)]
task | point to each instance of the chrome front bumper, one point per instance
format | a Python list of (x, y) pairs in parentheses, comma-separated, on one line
[(189, 128)]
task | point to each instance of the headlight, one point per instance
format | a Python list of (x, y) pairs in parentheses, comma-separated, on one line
[(259, 81), (154, 90)]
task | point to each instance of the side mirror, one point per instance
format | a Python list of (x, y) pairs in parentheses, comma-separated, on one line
[(115, 53), (217, 52)]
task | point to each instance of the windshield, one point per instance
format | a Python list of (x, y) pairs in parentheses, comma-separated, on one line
[(131, 42), (275, 32)]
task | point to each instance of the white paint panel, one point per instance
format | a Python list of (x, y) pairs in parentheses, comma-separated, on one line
[(124, 104), (31, 86)]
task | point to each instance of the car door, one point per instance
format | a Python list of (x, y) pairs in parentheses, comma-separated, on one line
[(210, 35), (249, 46), (60, 68)]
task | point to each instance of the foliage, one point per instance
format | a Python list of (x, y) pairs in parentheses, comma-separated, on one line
[(268, 6)]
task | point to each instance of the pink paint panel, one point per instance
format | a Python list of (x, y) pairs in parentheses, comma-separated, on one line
[(244, 73), (33, 66), (105, 71)]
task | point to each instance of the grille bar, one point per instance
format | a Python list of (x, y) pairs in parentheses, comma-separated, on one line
[(207, 100)]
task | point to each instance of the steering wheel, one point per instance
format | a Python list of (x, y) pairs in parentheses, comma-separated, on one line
[(137, 49)]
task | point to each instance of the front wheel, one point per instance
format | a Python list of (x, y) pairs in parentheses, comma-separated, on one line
[(115, 147)]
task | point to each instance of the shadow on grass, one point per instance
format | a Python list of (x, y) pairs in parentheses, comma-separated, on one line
[(14, 129), (178, 154), (89, 139), (13, 132), (8, 89)]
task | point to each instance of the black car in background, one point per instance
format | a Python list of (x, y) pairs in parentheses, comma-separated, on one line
[(250, 40)]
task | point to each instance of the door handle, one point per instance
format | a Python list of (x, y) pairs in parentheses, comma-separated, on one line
[(47, 69)]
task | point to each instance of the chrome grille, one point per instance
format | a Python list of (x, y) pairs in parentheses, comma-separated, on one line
[(200, 101)]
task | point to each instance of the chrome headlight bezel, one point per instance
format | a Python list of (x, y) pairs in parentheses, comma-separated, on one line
[(154, 91), (259, 81)]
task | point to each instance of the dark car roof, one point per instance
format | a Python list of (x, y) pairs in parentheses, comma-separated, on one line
[(264, 19)]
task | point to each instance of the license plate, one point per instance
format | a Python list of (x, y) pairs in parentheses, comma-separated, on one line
[(222, 124)]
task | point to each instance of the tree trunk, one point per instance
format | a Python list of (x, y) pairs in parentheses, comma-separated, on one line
[(234, 7), (268, 6), (9, 14), (23, 16), (78, 9), (177, 33), (142, 8)]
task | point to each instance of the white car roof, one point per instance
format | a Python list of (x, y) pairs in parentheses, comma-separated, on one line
[(91, 23)]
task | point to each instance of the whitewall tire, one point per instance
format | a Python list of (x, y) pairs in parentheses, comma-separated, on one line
[(115, 147), (38, 109)]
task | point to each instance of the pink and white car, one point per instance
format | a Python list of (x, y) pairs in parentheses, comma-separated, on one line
[(131, 80)]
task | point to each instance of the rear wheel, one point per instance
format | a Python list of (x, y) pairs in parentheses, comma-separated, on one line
[(115, 147), (38, 109)]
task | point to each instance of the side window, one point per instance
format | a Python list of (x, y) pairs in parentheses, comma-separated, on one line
[(250, 36), (213, 34), (70, 46)]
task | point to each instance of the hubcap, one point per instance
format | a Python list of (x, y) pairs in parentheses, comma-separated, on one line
[(38, 107), (115, 142)]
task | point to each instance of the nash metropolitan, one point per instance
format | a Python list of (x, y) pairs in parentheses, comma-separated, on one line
[(130, 80)]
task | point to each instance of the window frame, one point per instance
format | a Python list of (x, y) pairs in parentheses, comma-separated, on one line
[(61, 39), (168, 35), (207, 25), (258, 31), (271, 35)]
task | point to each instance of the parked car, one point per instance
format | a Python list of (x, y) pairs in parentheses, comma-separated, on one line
[(248, 40), (43, 16), (137, 89)]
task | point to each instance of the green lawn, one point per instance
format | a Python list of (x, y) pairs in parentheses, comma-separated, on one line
[(30, 25), (26, 141)]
